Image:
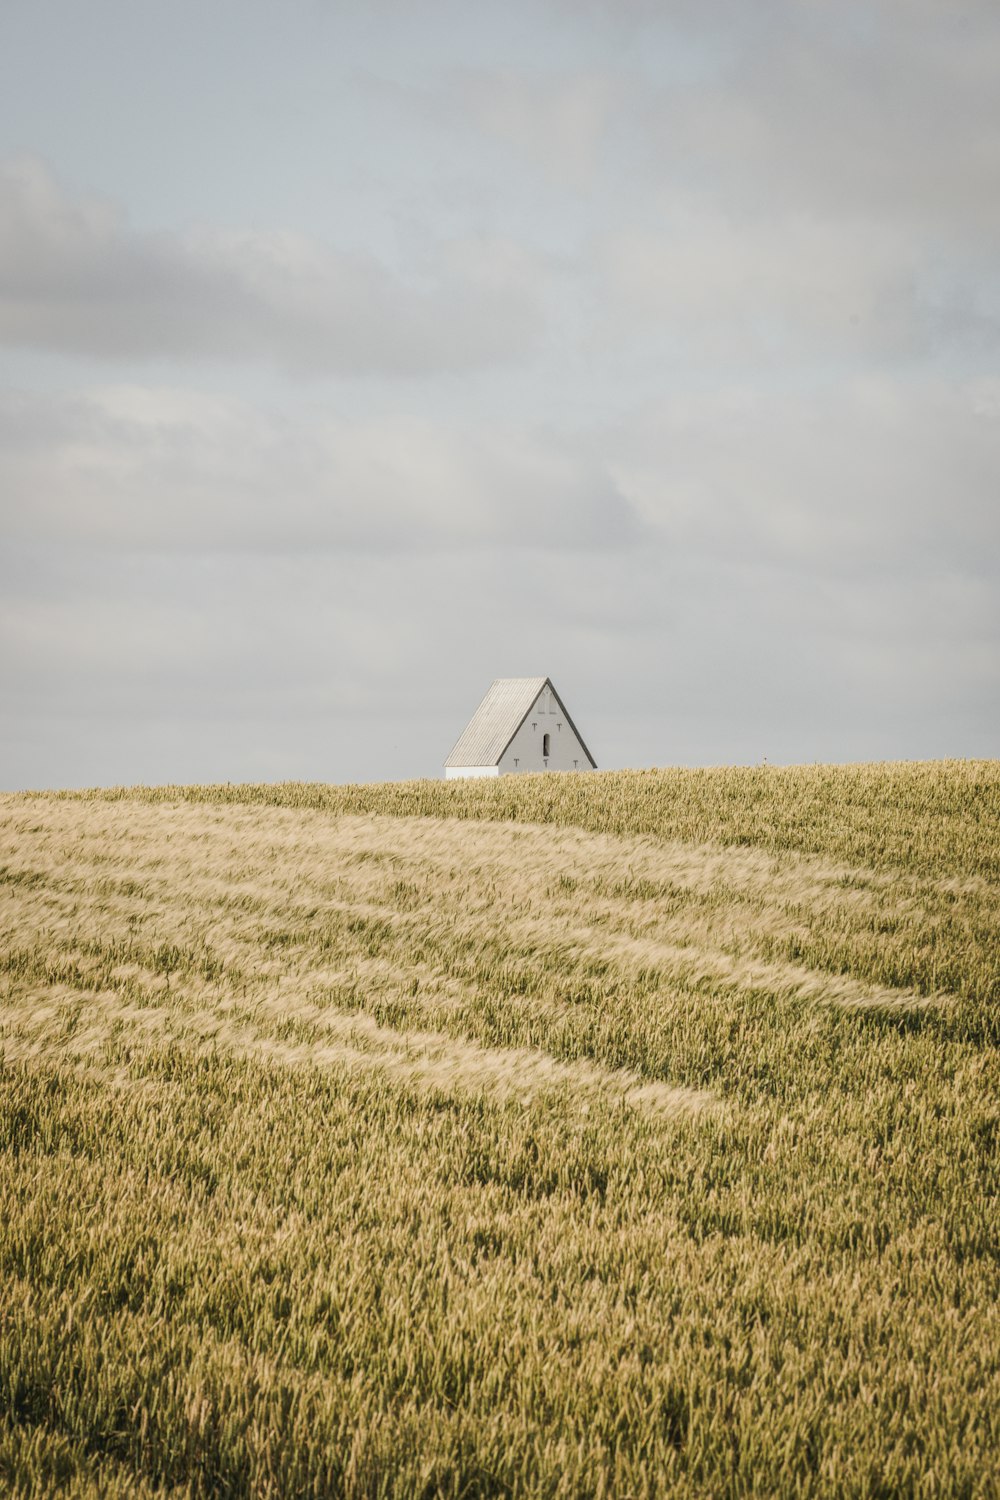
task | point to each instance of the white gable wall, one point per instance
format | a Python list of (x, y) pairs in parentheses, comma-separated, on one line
[(451, 771), (524, 753)]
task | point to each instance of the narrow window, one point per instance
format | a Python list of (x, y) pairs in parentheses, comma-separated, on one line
[(545, 744), (515, 760)]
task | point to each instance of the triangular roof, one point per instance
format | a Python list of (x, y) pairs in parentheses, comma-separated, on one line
[(495, 722)]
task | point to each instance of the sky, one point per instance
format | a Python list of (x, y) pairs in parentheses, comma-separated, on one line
[(355, 354)]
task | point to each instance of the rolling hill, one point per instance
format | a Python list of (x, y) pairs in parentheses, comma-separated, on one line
[(626, 1134)]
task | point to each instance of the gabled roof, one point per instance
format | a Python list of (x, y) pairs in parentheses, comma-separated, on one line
[(498, 718)]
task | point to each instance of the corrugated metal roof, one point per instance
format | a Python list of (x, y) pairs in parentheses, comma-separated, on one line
[(498, 718), (496, 721)]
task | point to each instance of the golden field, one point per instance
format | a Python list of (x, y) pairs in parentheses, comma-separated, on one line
[(621, 1134)]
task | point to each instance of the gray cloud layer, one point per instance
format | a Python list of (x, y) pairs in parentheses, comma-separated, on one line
[(656, 348), (75, 277), (163, 470)]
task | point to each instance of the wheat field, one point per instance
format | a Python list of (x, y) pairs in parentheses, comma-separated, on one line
[(628, 1134)]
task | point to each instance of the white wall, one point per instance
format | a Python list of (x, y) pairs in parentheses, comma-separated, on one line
[(524, 753), (450, 771)]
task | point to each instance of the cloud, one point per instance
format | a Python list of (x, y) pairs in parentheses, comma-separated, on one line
[(869, 476), (559, 121), (773, 289), (554, 121), (125, 666), (794, 183), (824, 187), (728, 471), (76, 277), (131, 467), (887, 114), (805, 563)]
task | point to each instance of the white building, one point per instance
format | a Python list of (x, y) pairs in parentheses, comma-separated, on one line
[(521, 725)]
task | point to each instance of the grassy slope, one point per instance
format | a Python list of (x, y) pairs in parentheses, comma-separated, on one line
[(644, 1141), (934, 817)]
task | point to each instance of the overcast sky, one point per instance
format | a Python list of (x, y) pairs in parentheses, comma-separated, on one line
[(355, 354)]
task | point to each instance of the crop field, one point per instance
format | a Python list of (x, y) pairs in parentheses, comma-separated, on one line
[(627, 1134)]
